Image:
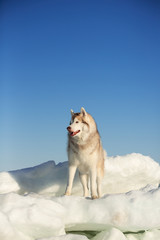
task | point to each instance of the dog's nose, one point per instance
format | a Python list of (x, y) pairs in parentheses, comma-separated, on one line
[(69, 129)]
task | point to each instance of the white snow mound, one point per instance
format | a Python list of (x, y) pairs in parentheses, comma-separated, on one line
[(122, 174), (32, 206)]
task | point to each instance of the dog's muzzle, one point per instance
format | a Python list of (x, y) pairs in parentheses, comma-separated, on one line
[(71, 133)]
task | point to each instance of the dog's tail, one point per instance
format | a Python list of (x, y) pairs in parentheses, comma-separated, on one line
[(104, 154), (104, 158), (102, 163)]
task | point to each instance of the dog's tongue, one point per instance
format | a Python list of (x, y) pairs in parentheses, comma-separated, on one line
[(74, 133)]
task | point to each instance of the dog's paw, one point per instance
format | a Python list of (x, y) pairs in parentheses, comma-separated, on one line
[(94, 197), (67, 193)]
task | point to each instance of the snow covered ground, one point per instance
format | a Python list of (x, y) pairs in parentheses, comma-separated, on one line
[(32, 205)]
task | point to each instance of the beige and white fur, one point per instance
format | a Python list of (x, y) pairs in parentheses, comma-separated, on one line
[(85, 153)]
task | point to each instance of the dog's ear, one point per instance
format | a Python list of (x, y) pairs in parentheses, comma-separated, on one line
[(72, 113), (83, 111)]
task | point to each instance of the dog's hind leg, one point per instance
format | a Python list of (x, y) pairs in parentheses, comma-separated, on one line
[(99, 182), (99, 189), (93, 177), (84, 181)]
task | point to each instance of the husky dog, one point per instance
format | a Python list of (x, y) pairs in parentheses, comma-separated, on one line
[(85, 152)]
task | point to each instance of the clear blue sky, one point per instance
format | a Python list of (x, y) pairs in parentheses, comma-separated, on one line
[(63, 54)]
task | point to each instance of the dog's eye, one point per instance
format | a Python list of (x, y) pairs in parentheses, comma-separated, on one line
[(77, 122)]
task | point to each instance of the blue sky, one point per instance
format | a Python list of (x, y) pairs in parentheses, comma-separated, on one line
[(58, 55)]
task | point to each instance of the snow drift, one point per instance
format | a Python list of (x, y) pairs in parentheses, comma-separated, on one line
[(122, 174), (32, 205)]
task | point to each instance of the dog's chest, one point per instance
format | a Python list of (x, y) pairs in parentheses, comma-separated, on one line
[(85, 161), (84, 157)]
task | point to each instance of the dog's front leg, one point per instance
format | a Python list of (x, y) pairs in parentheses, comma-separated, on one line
[(93, 176), (72, 171)]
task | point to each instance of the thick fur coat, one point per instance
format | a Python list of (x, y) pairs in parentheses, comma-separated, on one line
[(85, 153)]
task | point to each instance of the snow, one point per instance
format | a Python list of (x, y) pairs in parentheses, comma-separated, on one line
[(32, 205)]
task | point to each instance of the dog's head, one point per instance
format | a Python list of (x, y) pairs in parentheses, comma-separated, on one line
[(82, 126), (78, 124)]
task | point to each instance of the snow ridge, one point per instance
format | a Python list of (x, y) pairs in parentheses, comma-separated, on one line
[(32, 205)]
